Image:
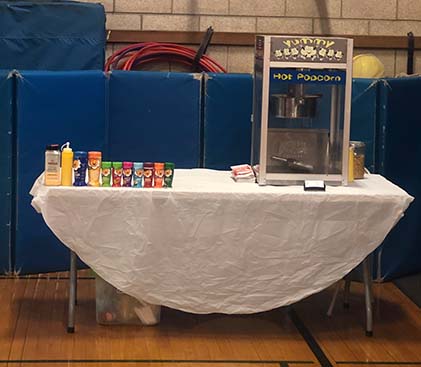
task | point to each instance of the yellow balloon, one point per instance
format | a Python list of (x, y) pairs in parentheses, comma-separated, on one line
[(367, 66)]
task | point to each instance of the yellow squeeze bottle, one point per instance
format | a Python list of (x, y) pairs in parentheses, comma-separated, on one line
[(67, 165)]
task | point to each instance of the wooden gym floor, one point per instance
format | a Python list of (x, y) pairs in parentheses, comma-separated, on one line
[(33, 313)]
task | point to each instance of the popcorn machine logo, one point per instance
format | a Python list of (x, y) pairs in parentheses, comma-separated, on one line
[(308, 76), (308, 49)]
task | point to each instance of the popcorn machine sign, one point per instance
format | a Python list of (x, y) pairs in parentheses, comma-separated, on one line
[(308, 76), (309, 49)]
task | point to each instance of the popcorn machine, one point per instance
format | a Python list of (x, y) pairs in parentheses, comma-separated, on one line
[(301, 112)]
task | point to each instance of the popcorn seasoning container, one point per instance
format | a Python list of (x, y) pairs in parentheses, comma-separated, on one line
[(148, 174), (94, 168), (137, 174), (106, 174), (351, 164), (80, 164), (168, 174), (158, 175), (359, 159), (52, 175), (117, 173), (127, 174)]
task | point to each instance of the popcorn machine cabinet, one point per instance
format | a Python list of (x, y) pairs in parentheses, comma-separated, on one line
[(301, 112)]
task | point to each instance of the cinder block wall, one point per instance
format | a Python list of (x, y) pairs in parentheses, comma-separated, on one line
[(357, 17)]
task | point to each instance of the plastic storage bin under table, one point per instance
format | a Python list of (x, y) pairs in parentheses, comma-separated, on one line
[(114, 307)]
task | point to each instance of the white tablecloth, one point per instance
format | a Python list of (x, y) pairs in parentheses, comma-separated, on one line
[(212, 245)]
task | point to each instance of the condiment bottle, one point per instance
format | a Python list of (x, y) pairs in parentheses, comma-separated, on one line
[(147, 174), (137, 174), (66, 165), (168, 174), (94, 168), (158, 179), (351, 164), (127, 174), (52, 175), (106, 174), (359, 159), (80, 165), (117, 173)]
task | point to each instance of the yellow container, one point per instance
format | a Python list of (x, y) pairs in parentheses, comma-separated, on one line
[(359, 159), (351, 164), (67, 166), (94, 168)]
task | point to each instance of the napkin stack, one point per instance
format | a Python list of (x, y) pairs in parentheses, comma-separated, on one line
[(242, 173)]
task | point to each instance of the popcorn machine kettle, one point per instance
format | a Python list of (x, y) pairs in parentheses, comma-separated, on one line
[(301, 112)]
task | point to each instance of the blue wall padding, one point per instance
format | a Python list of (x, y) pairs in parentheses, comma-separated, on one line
[(154, 117), (364, 117), (228, 104), (52, 35), (52, 108), (400, 141), (6, 100)]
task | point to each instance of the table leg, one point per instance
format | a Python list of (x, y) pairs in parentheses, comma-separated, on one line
[(368, 296), (335, 295), (347, 291), (76, 281), (72, 292)]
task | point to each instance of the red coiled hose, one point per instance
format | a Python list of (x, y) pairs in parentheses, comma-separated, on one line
[(149, 52)]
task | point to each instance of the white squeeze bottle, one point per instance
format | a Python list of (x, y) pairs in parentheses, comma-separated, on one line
[(52, 175)]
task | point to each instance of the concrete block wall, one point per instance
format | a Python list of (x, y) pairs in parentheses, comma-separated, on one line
[(357, 17)]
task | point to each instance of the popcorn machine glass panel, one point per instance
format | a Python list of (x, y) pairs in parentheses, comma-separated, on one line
[(305, 122)]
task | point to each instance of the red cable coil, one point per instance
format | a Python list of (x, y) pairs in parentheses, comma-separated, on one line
[(147, 52)]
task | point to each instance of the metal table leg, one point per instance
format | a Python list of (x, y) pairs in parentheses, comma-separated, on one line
[(368, 296), (332, 303), (76, 281), (72, 292), (347, 291)]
